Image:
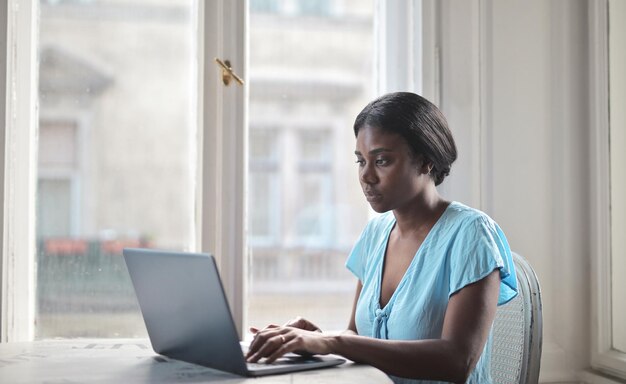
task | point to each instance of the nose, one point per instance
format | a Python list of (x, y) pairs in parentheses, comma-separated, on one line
[(368, 175)]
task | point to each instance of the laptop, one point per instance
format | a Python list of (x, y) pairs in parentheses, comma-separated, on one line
[(188, 317)]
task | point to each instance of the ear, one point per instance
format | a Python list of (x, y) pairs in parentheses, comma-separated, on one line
[(425, 166)]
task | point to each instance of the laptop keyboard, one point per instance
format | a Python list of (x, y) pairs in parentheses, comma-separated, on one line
[(284, 361)]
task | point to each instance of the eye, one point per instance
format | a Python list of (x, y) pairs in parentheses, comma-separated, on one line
[(382, 161), (360, 162)]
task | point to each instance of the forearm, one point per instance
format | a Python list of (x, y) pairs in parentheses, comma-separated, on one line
[(424, 359)]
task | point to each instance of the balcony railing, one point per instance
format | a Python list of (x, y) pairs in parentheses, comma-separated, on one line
[(78, 275)]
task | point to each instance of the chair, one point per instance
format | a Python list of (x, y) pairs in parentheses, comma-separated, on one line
[(517, 331)]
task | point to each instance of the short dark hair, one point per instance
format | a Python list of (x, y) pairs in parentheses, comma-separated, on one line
[(419, 122)]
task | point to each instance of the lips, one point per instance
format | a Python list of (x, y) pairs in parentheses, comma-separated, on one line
[(372, 196)]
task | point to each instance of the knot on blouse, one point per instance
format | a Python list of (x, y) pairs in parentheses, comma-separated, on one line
[(380, 323)]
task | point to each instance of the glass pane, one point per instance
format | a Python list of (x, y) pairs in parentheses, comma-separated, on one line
[(116, 131), (310, 74), (54, 209)]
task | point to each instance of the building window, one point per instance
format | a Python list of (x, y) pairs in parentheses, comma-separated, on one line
[(315, 206), (59, 179), (297, 8), (264, 192), (265, 6)]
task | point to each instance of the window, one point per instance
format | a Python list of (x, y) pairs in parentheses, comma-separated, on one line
[(308, 80), (264, 193), (265, 6), (58, 181), (298, 8), (113, 164), (609, 220), (129, 157), (314, 189)]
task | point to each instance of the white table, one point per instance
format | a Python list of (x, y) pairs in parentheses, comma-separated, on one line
[(133, 361)]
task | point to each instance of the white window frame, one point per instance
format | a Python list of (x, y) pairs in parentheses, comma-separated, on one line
[(221, 152), (3, 130), (223, 147), (404, 30), (617, 132), (19, 160), (604, 357)]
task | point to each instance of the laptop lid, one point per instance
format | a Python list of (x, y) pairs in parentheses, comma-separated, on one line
[(187, 315), (184, 307)]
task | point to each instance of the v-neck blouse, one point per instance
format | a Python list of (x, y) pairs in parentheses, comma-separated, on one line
[(464, 246)]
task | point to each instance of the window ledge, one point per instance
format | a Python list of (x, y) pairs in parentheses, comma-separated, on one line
[(595, 377)]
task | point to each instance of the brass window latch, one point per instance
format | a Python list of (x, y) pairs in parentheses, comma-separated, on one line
[(227, 72)]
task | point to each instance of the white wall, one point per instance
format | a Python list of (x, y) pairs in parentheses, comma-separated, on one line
[(514, 78)]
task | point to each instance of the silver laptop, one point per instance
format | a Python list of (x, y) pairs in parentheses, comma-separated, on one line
[(188, 318)]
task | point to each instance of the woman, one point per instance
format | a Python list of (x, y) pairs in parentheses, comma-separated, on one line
[(430, 271)]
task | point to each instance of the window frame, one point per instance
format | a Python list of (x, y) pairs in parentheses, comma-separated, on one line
[(617, 133), (603, 356), (3, 130), (221, 151), (223, 146), (19, 159)]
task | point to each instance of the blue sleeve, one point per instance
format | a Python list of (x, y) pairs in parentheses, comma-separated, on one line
[(481, 248), (358, 256)]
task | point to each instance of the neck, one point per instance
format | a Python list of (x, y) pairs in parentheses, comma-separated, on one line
[(422, 213)]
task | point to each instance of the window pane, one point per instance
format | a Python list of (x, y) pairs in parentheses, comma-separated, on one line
[(310, 74), (54, 209), (116, 134)]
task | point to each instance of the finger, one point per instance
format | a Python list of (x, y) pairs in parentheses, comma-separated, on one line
[(302, 323), (260, 340), (256, 330), (269, 347), (288, 346), (272, 354), (256, 342), (294, 322), (270, 343)]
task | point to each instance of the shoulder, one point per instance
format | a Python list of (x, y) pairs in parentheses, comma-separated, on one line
[(463, 217), (478, 247), (379, 224), (470, 230)]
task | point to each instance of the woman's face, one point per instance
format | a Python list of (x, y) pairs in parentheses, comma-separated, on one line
[(391, 177)]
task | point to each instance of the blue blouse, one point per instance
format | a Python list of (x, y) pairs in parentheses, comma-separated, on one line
[(464, 246)]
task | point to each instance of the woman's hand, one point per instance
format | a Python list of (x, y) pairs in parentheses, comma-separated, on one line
[(302, 323), (273, 341), (298, 322)]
